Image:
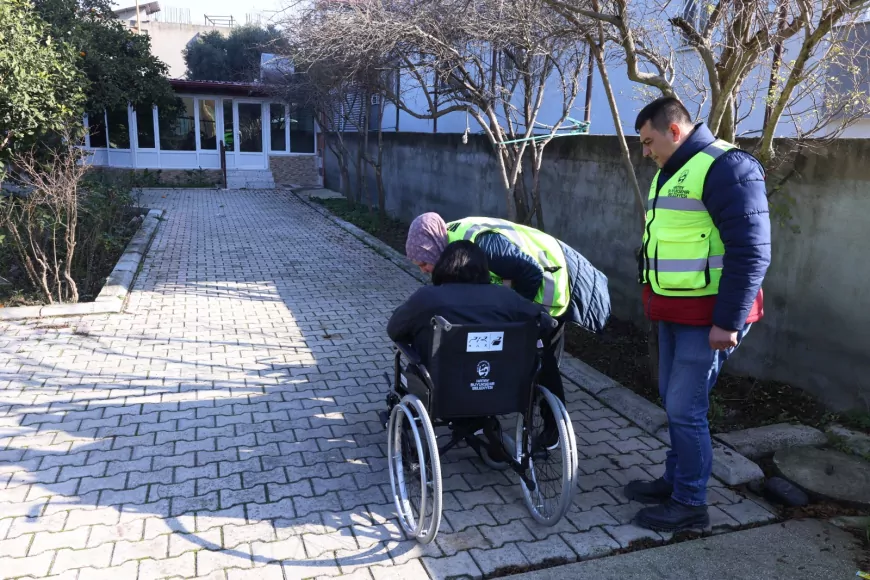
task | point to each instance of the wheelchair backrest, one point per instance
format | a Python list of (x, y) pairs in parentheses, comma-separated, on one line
[(482, 369)]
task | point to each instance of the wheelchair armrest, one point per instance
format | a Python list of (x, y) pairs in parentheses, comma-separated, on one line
[(409, 353)]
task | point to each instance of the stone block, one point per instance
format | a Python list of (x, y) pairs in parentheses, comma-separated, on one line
[(584, 376), (761, 442), (648, 416), (19, 312), (733, 468)]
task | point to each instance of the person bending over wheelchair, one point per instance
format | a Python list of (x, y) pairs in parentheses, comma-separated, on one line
[(537, 266), (461, 292)]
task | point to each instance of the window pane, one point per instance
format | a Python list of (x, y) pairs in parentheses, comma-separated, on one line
[(207, 126), (250, 128), (228, 125), (301, 130), (177, 134), (119, 129), (277, 127), (145, 128), (97, 129)]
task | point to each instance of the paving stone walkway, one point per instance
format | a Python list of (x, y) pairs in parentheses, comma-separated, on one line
[(225, 425)]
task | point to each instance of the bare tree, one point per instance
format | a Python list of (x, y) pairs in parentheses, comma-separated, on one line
[(41, 221), (331, 98), (493, 60), (339, 86), (739, 44)]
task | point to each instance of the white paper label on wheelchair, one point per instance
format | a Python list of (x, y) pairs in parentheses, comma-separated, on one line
[(484, 342)]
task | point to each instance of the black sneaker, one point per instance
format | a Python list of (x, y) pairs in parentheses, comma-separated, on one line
[(672, 516), (655, 491), (549, 437)]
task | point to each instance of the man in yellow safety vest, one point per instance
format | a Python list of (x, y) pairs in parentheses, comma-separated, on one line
[(704, 255)]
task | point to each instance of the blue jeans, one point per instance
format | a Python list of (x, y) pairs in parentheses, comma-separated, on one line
[(688, 369)]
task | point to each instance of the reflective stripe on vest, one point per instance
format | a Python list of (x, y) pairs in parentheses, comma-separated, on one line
[(554, 292), (683, 252)]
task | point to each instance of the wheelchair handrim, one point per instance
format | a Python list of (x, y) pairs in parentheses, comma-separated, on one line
[(410, 523), (534, 500), (423, 528)]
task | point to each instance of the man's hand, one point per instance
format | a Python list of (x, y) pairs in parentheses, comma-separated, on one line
[(721, 339)]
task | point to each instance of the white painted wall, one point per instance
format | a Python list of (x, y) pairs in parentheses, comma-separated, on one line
[(630, 96)]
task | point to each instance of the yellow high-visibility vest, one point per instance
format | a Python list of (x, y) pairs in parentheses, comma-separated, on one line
[(683, 252), (555, 290)]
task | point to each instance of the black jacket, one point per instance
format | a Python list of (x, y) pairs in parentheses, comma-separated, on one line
[(458, 304)]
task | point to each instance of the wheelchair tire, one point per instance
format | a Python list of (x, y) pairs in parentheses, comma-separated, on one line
[(554, 487), (413, 458), (574, 455), (509, 446)]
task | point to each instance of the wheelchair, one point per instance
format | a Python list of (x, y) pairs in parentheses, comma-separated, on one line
[(475, 375)]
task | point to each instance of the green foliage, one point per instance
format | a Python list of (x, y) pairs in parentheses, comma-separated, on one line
[(117, 63), (41, 89), (106, 223), (147, 178), (214, 57), (206, 59), (859, 420), (389, 230)]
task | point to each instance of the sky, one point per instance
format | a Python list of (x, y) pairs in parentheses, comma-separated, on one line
[(197, 8)]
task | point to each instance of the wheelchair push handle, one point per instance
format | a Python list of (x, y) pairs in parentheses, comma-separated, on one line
[(441, 322)]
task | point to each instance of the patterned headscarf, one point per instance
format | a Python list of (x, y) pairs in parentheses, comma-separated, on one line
[(427, 238)]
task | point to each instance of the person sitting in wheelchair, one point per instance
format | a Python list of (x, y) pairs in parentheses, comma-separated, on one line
[(461, 293), (466, 362)]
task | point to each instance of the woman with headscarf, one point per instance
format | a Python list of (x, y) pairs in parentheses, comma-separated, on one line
[(461, 292), (536, 265)]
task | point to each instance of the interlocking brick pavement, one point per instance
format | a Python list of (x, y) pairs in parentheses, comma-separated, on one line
[(225, 424)]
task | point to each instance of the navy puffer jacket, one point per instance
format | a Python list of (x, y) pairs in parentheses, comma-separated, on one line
[(590, 298)]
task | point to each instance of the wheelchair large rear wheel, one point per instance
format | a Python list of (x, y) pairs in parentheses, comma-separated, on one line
[(552, 465), (415, 469)]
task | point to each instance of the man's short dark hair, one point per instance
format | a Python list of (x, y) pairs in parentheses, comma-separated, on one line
[(462, 262), (661, 113)]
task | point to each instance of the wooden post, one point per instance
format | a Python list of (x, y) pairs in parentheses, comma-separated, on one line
[(224, 163)]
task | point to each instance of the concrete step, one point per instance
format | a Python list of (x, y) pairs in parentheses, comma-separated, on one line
[(250, 179), (260, 185)]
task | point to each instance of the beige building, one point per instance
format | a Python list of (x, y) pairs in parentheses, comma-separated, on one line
[(168, 39)]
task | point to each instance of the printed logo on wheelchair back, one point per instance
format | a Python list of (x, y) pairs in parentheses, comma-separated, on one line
[(483, 383)]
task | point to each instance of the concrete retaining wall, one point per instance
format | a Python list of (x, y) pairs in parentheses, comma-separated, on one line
[(817, 306)]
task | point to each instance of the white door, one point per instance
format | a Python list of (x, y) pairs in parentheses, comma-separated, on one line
[(249, 135)]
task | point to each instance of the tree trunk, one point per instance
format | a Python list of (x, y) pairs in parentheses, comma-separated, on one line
[(728, 128), (538, 156), (652, 327), (379, 174), (364, 151)]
